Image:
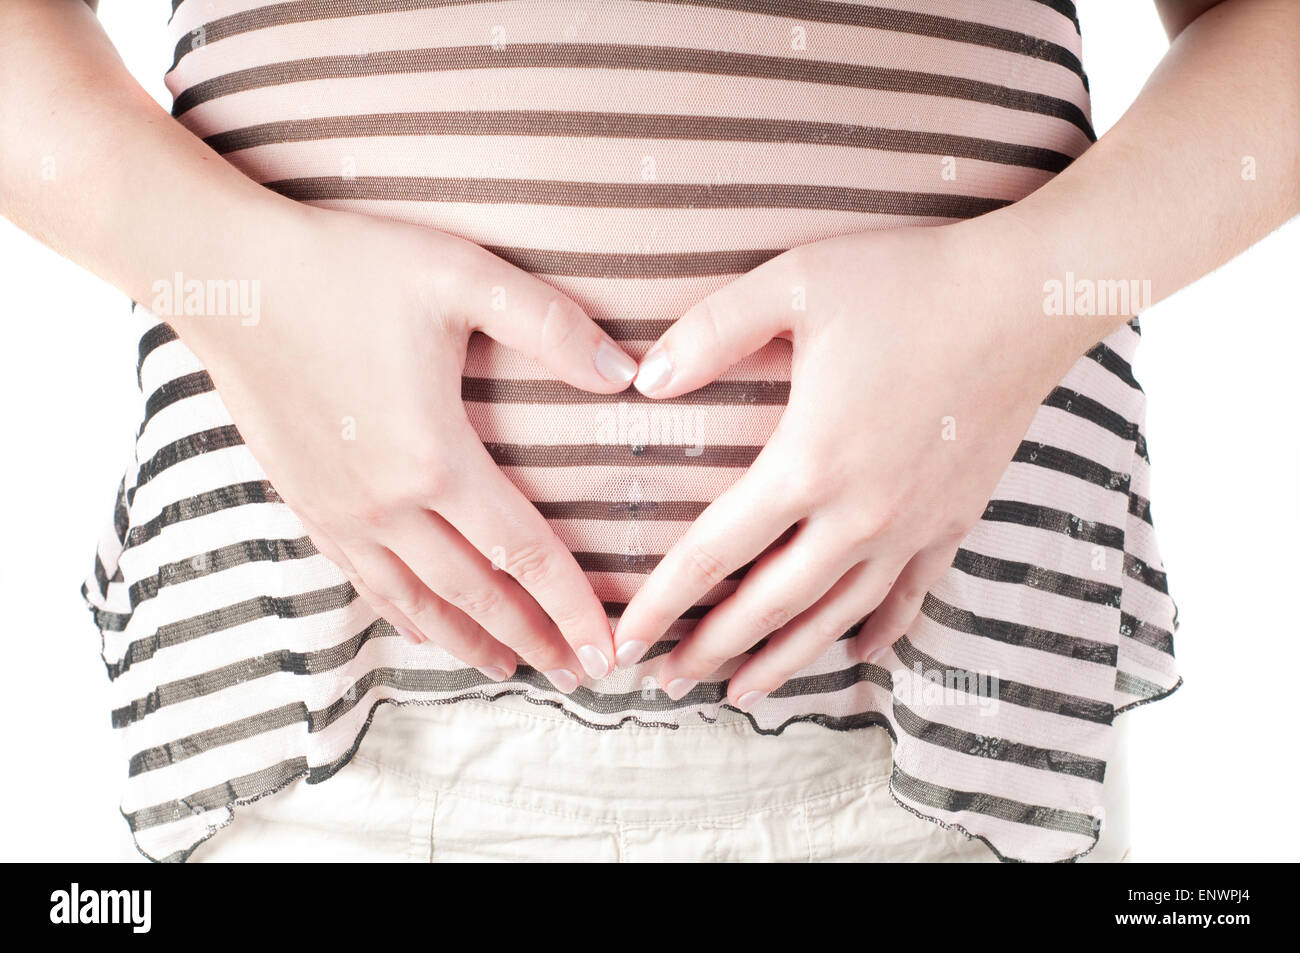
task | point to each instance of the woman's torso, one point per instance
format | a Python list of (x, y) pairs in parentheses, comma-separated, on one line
[(637, 155)]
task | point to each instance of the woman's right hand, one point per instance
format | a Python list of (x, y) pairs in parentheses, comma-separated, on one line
[(347, 391)]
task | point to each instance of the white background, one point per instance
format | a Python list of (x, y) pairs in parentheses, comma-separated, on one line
[(1213, 767)]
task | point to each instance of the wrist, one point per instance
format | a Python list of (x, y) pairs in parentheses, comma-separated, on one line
[(1038, 293), (213, 289)]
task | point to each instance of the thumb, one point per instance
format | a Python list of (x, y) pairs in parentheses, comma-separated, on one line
[(714, 334), (528, 315)]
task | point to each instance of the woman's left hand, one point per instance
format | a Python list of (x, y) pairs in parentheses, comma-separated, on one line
[(915, 376)]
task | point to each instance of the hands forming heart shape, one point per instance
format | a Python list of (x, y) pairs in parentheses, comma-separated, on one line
[(910, 392), (915, 374)]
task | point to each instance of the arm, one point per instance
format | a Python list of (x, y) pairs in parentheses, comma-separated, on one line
[(360, 319), (908, 328), (93, 167), (1203, 164)]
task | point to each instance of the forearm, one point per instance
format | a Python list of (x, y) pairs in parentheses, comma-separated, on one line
[(1204, 163), (93, 167)]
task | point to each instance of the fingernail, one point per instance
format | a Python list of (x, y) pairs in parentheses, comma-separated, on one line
[(629, 653), (678, 687), (874, 655), (408, 635), (594, 661), (655, 371), (495, 672), (748, 700), (614, 365), (562, 679)]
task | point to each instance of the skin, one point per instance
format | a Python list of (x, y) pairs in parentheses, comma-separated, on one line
[(413, 510), (856, 506)]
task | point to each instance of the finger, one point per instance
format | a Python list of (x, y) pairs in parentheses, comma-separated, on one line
[(735, 528), (327, 548), (490, 512), (388, 581), (782, 584), (728, 325), (902, 606), (807, 638), (451, 567), (404, 627), (526, 314)]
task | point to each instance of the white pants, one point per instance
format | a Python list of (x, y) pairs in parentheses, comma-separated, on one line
[(509, 780)]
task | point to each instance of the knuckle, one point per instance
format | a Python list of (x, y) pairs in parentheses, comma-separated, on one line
[(710, 323), (567, 619), (369, 598), (531, 563), (706, 567), (831, 631), (884, 624), (771, 618), (700, 657), (804, 485), (476, 602), (429, 619), (953, 532), (371, 510), (537, 650), (559, 323), (433, 477), (431, 487), (383, 590), (871, 524), (407, 602), (705, 663), (908, 599)]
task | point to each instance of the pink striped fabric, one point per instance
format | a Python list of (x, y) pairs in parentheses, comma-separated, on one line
[(637, 155)]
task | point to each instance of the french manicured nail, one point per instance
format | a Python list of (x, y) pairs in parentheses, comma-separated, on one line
[(655, 371), (495, 672), (678, 687), (562, 679), (629, 653), (594, 661), (875, 654), (748, 700), (408, 635), (614, 365)]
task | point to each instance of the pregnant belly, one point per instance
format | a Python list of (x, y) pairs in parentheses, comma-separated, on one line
[(636, 156), (620, 477)]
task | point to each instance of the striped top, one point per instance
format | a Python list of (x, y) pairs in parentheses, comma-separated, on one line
[(638, 155)]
